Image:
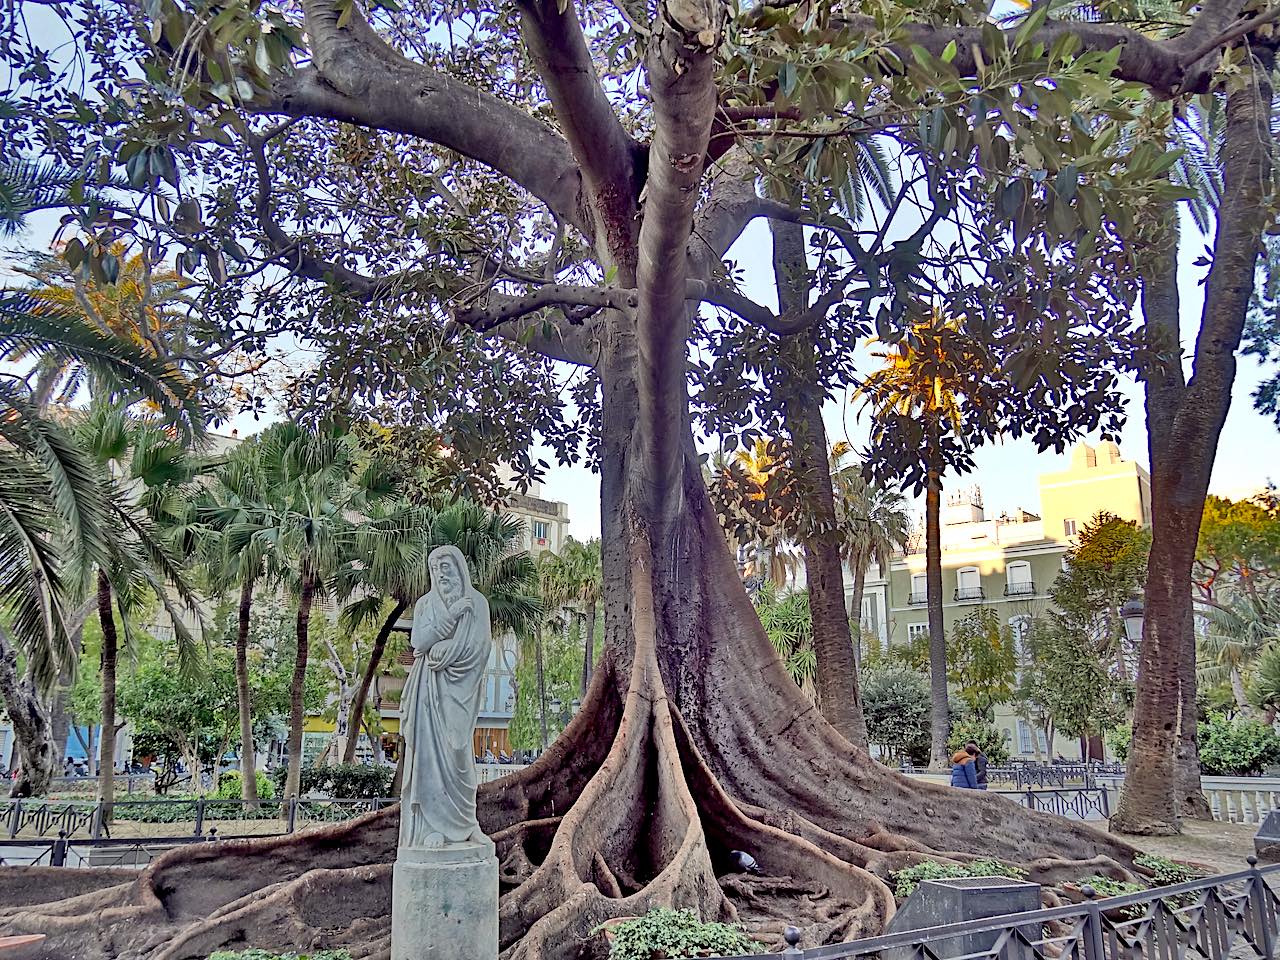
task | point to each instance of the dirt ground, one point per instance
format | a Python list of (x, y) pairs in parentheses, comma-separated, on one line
[(1223, 846)]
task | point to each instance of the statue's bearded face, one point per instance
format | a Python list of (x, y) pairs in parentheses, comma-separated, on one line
[(448, 578)]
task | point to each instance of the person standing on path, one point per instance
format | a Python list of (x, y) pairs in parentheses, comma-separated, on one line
[(979, 763), (963, 774)]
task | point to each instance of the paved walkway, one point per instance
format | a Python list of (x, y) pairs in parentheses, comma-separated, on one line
[(1223, 846)]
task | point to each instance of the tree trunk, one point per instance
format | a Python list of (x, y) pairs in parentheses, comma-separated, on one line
[(836, 668), (855, 618), (107, 739), (588, 649), (31, 726), (370, 672), (542, 685), (940, 713), (248, 766), (297, 687), (1187, 423), (342, 731), (1238, 692)]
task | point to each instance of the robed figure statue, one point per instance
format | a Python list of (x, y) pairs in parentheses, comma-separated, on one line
[(451, 642)]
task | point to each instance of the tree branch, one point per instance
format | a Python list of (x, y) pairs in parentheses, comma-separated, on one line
[(604, 149)]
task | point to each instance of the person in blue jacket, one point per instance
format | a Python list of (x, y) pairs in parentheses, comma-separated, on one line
[(963, 773)]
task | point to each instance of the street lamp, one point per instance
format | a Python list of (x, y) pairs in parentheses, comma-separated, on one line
[(1131, 613)]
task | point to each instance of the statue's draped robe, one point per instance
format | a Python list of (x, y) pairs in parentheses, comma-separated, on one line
[(438, 710)]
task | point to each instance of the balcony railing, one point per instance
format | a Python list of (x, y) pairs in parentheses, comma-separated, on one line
[(1020, 588), (918, 597), (969, 593)]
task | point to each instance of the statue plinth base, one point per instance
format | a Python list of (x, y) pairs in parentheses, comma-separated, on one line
[(444, 903)]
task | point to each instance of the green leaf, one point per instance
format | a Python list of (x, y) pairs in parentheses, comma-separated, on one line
[(949, 52)]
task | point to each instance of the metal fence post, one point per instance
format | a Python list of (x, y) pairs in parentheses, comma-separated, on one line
[(1094, 946), (58, 853), (15, 818), (293, 814), (199, 816), (792, 936), (1258, 893), (1031, 799)]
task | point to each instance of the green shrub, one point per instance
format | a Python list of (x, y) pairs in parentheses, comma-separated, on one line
[(1106, 887), (1118, 740), (989, 738), (344, 781), (906, 880), (270, 955), (1238, 747), (674, 934), (1167, 872), (229, 786)]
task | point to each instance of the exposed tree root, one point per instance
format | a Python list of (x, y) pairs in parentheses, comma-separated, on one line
[(639, 804)]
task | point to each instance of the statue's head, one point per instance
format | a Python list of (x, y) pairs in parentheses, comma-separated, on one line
[(449, 573)]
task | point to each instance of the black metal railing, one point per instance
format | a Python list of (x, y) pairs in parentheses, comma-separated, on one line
[(969, 593), (140, 819), (1022, 588), (1078, 803), (1218, 918), (918, 597), (64, 851)]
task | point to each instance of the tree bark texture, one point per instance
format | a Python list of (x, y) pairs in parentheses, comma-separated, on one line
[(1185, 442), (693, 741), (32, 728), (107, 738), (370, 672), (836, 667), (297, 686), (588, 648), (248, 766), (940, 710)]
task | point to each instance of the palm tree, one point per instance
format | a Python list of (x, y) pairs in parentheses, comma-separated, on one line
[(922, 380), (147, 475), (789, 627), (1242, 629), (314, 482), (741, 483), (235, 497), (874, 522), (53, 490), (572, 581)]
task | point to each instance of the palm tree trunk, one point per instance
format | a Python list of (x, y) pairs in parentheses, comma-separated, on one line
[(248, 768), (855, 615), (542, 688), (833, 646), (588, 650), (371, 671), (1238, 691), (940, 717), (297, 688), (31, 726), (107, 739)]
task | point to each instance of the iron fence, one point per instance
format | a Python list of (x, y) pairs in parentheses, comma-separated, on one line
[(139, 819), (64, 851), (1227, 917), (1079, 803)]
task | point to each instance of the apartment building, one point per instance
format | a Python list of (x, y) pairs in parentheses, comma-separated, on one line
[(1006, 562)]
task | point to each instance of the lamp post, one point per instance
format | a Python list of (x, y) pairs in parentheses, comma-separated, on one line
[(1131, 612)]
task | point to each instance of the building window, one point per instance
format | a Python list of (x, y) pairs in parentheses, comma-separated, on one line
[(540, 529), (1069, 527), (1026, 743), (868, 619), (917, 632), (968, 584), (919, 588), (1020, 628), (1018, 582)]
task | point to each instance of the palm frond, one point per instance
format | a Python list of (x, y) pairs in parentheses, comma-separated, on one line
[(44, 330)]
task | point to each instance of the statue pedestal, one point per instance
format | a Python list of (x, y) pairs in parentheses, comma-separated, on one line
[(444, 903)]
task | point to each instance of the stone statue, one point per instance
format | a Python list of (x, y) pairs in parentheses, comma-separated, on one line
[(451, 642)]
